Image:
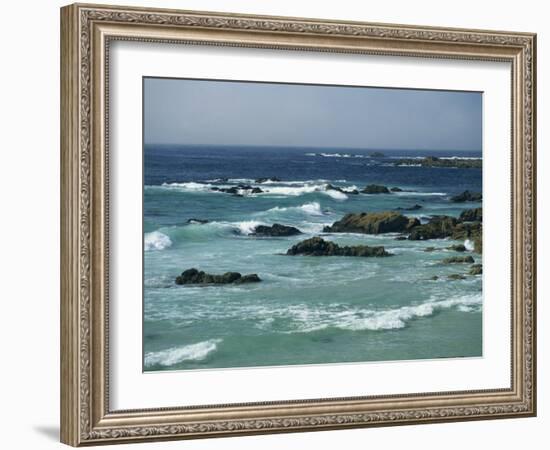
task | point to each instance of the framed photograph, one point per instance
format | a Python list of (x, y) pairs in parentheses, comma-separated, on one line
[(275, 224)]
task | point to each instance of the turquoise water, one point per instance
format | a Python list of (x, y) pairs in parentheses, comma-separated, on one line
[(307, 310)]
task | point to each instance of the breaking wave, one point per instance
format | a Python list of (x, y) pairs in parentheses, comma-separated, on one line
[(156, 241), (174, 355)]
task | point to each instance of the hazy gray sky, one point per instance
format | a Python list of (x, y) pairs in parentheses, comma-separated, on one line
[(243, 113)]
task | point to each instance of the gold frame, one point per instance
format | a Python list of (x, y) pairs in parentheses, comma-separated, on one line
[(86, 31)]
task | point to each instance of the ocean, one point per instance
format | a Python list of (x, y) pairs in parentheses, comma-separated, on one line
[(306, 310)]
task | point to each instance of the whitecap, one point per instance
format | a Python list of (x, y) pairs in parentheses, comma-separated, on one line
[(156, 241), (174, 355), (248, 226), (189, 186), (469, 245), (336, 195), (312, 209)]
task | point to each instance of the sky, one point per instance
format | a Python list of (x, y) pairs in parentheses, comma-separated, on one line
[(207, 112)]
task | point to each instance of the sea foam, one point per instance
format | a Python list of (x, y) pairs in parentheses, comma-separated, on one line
[(174, 355), (248, 226), (156, 241), (312, 209)]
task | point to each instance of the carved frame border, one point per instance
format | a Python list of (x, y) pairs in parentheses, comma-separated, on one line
[(86, 31)]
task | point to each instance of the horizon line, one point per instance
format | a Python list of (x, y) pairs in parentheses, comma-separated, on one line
[(309, 147)]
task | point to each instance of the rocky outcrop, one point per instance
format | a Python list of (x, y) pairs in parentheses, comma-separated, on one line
[(194, 276), (396, 189), (478, 244), (467, 196), (467, 230), (319, 247), (371, 223), (275, 230), (377, 155), (438, 227), (476, 269), (458, 260), (375, 189), (471, 215)]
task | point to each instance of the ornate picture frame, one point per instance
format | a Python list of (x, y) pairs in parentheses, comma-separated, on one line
[(87, 32)]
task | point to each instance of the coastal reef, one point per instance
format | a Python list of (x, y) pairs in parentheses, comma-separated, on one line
[(194, 276), (319, 247)]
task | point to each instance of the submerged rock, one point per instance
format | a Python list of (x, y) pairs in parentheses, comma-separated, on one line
[(476, 269), (194, 276), (415, 207), (471, 215), (458, 260), (331, 187), (276, 230), (194, 221), (319, 247), (457, 248), (371, 223), (429, 249), (456, 276), (239, 190), (434, 161), (375, 189), (396, 189), (467, 196), (265, 180), (377, 155)]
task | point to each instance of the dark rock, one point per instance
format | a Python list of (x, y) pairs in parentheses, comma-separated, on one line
[(457, 248), (433, 161), (377, 155), (433, 278), (197, 221), (375, 189), (401, 238), (429, 249), (476, 269), (456, 276), (466, 230), (467, 196), (331, 187), (370, 223), (410, 208), (251, 278), (458, 260), (276, 230), (413, 222), (319, 247), (264, 180), (471, 215), (194, 276), (396, 189), (437, 228), (478, 244), (236, 190)]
